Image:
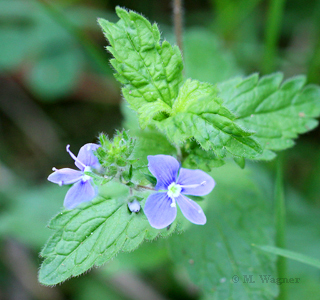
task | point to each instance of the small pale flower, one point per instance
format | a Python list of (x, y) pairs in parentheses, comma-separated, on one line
[(82, 190), (176, 182), (134, 206)]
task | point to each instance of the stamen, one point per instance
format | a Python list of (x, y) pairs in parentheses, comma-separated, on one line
[(173, 203), (74, 157), (194, 185), (60, 183), (86, 178), (173, 190), (87, 169), (54, 169)]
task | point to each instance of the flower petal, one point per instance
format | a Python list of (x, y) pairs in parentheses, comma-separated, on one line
[(159, 211), (78, 193), (165, 168), (87, 157), (195, 182), (65, 176), (191, 210)]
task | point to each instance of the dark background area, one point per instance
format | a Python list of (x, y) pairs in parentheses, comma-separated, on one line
[(57, 88)]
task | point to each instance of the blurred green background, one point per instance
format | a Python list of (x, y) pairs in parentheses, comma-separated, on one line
[(57, 88)]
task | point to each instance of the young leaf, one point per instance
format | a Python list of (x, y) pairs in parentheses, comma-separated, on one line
[(276, 112), (150, 70), (198, 113), (219, 257), (92, 235)]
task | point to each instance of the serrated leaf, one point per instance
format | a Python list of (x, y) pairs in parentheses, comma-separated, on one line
[(147, 112), (91, 235), (204, 160), (276, 111), (199, 114), (150, 70), (219, 255)]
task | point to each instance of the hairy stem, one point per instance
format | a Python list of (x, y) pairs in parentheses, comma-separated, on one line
[(145, 187)]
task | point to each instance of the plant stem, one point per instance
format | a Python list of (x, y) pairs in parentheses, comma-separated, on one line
[(177, 20), (229, 16), (272, 33), (314, 63), (280, 222), (145, 187), (97, 54)]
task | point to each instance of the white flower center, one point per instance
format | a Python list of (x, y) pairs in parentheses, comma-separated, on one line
[(85, 177), (174, 190), (87, 169)]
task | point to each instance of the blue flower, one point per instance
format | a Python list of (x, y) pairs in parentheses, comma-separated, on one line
[(82, 190), (161, 208)]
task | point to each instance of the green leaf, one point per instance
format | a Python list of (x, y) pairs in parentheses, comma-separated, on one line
[(57, 71), (199, 114), (239, 214), (303, 237), (92, 235), (240, 161), (277, 112), (150, 70), (200, 159), (291, 254), (151, 179), (149, 111), (16, 223), (140, 259), (151, 142), (205, 58)]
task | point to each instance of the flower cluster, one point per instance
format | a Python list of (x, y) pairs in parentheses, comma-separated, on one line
[(82, 190), (173, 183)]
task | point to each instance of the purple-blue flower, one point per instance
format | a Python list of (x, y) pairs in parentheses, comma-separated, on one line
[(82, 190), (176, 182)]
